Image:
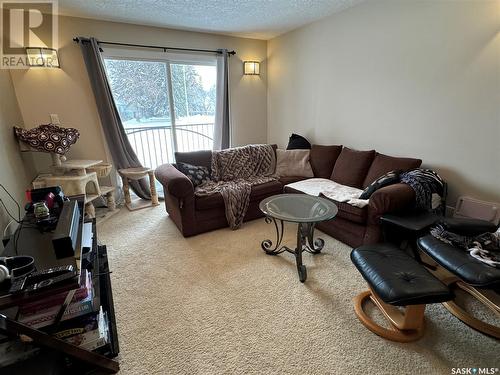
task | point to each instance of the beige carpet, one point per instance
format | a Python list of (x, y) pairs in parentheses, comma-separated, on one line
[(216, 304)]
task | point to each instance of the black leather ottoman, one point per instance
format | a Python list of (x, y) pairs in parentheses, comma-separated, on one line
[(396, 279)]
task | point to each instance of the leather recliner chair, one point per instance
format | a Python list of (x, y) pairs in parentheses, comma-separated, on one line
[(472, 276)]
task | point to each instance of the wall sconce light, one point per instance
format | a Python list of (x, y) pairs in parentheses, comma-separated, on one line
[(251, 68), (42, 57)]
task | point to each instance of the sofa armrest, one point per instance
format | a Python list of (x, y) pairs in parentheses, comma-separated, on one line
[(174, 181), (390, 198)]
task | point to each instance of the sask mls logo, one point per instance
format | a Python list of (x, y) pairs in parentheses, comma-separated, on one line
[(27, 24), (474, 370)]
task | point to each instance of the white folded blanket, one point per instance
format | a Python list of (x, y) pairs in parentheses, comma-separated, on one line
[(331, 190)]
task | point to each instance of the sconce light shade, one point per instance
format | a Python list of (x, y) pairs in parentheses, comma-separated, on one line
[(42, 57), (251, 67)]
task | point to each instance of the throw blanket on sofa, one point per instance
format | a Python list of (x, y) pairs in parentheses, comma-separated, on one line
[(331, 190), (484, 247), (234, 172), (426, 183)]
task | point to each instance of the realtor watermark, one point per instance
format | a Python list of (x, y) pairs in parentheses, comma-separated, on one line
[(474, 370), (29, 29)]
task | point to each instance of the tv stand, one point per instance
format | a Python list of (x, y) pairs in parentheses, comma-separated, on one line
[(58, 354)]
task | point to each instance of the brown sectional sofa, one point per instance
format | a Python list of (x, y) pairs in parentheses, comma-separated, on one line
[(352, 225)]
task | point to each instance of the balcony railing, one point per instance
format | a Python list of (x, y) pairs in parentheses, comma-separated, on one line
[(154, 144)]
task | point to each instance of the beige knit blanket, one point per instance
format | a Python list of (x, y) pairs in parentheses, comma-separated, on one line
[(234, 172)]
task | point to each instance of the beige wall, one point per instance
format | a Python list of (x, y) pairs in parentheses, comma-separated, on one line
[(412, 78), (67, 91), (408, 78), (15, 175)]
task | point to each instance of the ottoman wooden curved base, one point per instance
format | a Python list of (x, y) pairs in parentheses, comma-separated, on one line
[(406, 326), (400, 287), (466, 317)]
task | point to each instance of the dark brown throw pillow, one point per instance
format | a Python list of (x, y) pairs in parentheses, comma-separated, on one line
[(196, 173), (351, 167), (323, 158), (385, 163), (387, 179)]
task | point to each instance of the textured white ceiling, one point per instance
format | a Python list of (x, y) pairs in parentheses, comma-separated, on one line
[(262, 19)]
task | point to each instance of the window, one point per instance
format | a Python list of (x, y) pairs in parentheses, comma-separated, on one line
[(166, 104)]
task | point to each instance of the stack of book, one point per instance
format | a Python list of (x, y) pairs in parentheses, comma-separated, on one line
[(82, 324), (90, 331)]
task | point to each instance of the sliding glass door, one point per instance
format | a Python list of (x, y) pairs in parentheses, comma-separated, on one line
[(194, 97), (165, 105)]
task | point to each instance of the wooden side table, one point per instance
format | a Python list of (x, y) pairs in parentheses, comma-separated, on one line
[(408, 227), (136, 174)]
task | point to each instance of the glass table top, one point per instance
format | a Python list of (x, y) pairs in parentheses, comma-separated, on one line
[(299, 208)]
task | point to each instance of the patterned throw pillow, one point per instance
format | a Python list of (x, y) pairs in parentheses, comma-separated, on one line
[(387, 179), (197, 174)]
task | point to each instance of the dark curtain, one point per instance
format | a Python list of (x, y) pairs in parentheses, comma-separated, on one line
[(222, 136), (121, 151)]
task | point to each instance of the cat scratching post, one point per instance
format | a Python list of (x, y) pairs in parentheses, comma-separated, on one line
[(76, 177), (136, 174)]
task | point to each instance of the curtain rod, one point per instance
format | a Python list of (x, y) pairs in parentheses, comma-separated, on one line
[(159, 47)]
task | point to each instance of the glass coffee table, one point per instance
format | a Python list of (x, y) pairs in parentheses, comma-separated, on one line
[(306, 211)]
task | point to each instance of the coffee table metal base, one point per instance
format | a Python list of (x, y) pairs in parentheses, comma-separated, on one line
[(305, 242)]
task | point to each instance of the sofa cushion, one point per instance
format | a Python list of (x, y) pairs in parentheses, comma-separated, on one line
[(352, 166), (258, 192), (351, 213), (385, 163), (323, 159), (263, 190), (293, 163)]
